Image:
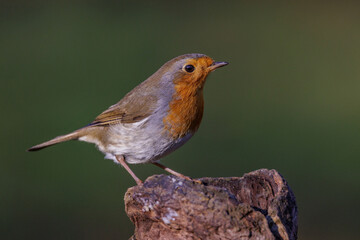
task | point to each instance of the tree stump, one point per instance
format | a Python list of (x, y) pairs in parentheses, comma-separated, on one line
[(259, 205)]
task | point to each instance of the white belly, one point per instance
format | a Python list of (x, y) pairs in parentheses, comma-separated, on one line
[(139, 142)]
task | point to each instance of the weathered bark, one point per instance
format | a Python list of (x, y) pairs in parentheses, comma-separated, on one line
[(259, 205)]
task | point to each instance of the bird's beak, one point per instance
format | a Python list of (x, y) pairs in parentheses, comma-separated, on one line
[(216, 65)]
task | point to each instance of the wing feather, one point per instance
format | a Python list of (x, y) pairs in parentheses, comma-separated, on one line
[(128, 110)]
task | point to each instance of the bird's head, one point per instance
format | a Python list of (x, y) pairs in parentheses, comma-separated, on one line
[(189, 70)]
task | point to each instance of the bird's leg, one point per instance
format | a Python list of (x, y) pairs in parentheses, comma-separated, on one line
[(174, 173), (121, 160)]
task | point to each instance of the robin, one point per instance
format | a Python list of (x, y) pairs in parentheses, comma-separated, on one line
[(154, 119)]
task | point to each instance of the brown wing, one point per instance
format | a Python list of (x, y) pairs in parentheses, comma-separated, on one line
[(128, 110)]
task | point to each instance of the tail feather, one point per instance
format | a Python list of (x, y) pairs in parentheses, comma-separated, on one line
[(71, 136)]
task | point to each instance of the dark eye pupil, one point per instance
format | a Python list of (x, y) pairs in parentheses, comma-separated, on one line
[(189, 68)]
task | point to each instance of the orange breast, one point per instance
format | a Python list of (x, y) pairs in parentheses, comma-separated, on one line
[(186, 110)]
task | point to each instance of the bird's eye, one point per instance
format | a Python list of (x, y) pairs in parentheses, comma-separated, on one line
[(189, 68)]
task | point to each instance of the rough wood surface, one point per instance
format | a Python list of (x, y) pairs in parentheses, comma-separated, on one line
[(259, 205)]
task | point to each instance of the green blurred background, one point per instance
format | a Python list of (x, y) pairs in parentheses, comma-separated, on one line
[(289, 100)]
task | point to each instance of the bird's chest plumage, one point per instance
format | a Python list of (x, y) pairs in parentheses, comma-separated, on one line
[(185, 112)]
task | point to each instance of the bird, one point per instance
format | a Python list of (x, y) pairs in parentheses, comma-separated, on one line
[(155, 118)]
